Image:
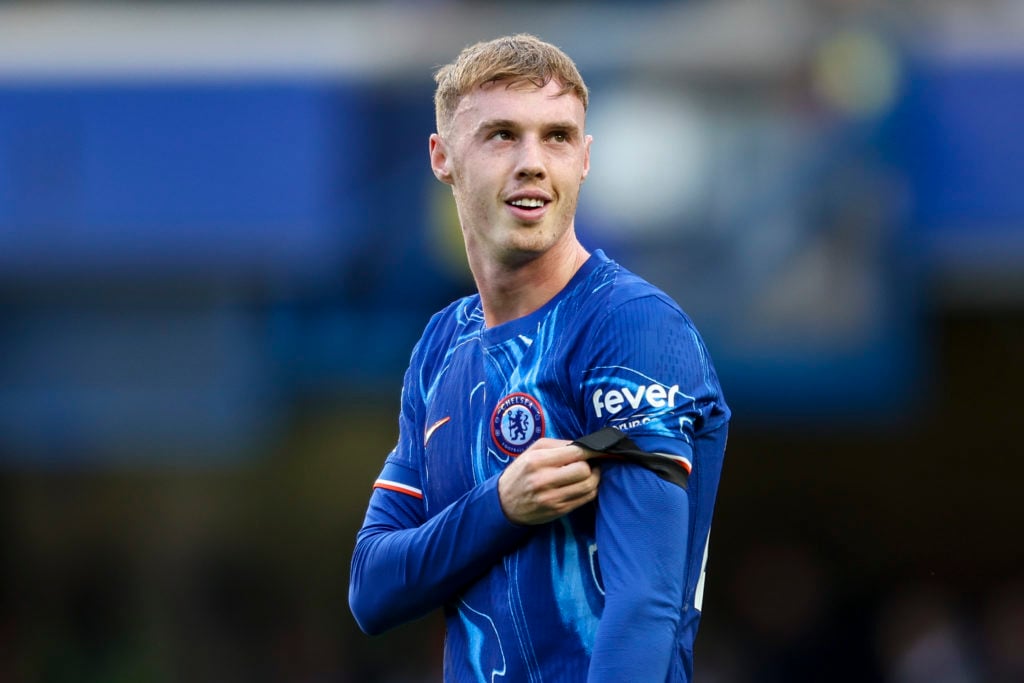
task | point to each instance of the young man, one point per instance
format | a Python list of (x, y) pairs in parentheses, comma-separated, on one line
[(487, 507)]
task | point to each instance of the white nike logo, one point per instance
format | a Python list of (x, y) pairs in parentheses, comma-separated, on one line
[(433, 428)]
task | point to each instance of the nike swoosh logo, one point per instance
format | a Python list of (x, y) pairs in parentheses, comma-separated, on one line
[(433, 428)]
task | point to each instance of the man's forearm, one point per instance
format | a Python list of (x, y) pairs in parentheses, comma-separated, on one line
[(399, 574)]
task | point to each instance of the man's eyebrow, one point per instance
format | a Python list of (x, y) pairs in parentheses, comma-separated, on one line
[(492, 124), (567, 126)]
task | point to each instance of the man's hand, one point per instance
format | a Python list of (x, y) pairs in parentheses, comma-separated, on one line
[(546, 481)]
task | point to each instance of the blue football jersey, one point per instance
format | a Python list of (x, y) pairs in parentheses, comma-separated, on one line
[(611, 591)]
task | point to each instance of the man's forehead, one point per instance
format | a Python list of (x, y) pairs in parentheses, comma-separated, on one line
[(502, 94)]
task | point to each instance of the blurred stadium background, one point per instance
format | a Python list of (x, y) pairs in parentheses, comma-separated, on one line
[(219, 239)]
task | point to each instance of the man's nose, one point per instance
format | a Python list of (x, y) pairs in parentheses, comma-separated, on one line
[(531, 159)]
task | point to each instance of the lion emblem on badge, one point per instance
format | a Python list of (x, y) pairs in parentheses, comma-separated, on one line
[(517, 422)]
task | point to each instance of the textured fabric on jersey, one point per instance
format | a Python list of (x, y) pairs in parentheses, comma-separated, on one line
[(610, 592)]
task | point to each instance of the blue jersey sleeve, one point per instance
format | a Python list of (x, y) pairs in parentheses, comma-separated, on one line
[(651, 378), (642, 537), (405, 565)]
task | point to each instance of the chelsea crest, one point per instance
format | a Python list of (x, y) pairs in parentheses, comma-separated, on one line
[(517, 422)]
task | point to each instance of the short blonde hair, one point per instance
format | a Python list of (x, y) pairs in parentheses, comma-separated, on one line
[(520, 57)]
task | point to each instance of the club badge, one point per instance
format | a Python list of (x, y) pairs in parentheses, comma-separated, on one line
[(517, 422)]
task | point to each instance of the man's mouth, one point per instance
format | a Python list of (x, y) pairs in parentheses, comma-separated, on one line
[(528, 203), (528, 209)]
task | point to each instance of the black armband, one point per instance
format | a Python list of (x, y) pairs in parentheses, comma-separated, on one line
[(614, 442)]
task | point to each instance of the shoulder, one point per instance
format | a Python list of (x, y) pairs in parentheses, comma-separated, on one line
[(630, 301), (641, 332), (453, 320), (459, 319)]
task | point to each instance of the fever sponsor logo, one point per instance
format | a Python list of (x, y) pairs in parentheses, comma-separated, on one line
[(614, 401), (516, 423)]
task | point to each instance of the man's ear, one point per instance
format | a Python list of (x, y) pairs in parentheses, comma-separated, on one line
[(439, 159), (587, 141)]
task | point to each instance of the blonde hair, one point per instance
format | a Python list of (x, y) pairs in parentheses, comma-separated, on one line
[(517, 58)]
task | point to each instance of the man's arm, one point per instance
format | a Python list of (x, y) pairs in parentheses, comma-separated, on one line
[(403, 569), (642, 537), (650, 359), (404, 566)]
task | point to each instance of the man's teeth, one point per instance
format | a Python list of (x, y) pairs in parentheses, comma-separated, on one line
[(528, 203)]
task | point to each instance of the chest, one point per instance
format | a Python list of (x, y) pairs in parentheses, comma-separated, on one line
[(486, 406)]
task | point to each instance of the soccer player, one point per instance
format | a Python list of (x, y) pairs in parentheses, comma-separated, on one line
[(553, 560)]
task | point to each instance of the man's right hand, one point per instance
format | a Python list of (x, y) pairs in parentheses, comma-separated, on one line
[(546, 481)]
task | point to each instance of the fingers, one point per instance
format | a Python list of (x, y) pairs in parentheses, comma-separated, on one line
[(555, 449), (547, 481), (553, 468), (555, 452), (581, 492), (565, 499)]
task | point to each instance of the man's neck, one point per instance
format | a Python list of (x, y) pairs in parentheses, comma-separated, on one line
[(511, 292)]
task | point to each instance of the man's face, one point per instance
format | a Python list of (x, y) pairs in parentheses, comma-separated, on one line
[(515, 157)]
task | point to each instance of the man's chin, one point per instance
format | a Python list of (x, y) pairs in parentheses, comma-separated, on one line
[(518, 256)]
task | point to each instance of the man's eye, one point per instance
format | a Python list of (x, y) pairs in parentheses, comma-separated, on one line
[(502, 135), (559, 137)]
